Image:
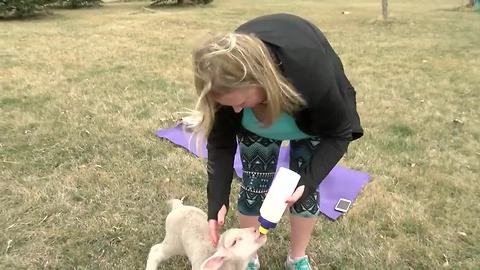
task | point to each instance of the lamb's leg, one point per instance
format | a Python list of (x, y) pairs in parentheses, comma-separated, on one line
[(159, 253), (196, 265), (197, 261), (169, 247)]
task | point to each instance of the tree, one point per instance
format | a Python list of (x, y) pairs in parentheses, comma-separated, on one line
[(12, 9), (74, 3), (179, 2), (385, 9)]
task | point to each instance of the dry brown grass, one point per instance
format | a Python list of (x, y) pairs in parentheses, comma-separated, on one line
[(83, 178)]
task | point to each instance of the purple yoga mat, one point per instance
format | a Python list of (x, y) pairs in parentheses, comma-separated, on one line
[(339, 183)]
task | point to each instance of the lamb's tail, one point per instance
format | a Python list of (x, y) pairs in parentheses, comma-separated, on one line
[(175, 203)]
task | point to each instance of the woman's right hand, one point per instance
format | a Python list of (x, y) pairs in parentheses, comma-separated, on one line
[(214, 225)]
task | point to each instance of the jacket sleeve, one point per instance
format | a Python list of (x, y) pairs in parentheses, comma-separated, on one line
[(317, 76), (221, 146), (324, 158)]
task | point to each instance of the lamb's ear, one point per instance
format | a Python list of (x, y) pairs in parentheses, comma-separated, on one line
[(214, 262)]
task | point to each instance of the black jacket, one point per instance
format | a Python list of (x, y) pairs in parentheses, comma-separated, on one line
[(315, 70)]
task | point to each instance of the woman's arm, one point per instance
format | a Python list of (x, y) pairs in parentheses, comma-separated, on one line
[(324, 158), (221, 146)]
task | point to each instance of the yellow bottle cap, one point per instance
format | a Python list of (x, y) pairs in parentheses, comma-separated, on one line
[(263, 230)]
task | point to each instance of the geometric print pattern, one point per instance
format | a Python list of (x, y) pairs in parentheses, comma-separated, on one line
[(301, 152), (259, 157)]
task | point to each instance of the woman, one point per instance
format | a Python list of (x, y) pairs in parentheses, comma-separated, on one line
[(275, 78)]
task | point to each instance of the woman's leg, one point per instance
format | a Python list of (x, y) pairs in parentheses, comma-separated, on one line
[(300, 234), (259, 160), (304, 213)]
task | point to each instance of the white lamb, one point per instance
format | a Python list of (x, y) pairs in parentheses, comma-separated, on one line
[(186, 233)]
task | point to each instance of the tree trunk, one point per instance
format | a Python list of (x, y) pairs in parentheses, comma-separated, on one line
[(471, 3), (385, 9)]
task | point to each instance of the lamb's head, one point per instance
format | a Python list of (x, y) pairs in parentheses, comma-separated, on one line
[(241, 244), (236, 246)]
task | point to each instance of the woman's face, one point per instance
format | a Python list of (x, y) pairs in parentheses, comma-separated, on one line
[(245, 97)]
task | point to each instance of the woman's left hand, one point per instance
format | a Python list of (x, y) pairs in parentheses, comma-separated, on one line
[(295, 196)]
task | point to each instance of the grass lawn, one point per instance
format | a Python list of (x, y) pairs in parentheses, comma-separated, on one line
[(84, 179)]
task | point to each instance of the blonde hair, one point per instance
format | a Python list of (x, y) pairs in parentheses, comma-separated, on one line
[(233, 61)]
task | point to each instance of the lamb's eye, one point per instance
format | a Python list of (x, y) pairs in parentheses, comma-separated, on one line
[(236, 241)]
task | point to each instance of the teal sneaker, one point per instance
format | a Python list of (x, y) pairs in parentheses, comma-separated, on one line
[(298, 264), (253, 264)]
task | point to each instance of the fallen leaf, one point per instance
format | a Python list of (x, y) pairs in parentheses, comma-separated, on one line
[(457, 121), (445, 264)]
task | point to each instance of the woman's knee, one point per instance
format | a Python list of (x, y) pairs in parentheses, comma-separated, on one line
[(307, 206)]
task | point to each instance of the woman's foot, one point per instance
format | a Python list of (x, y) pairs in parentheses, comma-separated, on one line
[(301, 263), (253, 264)]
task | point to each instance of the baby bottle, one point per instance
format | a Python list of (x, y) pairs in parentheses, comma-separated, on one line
[(274, 205)]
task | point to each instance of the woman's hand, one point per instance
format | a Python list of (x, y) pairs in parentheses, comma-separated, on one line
[(295, 196), (215, 225)]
